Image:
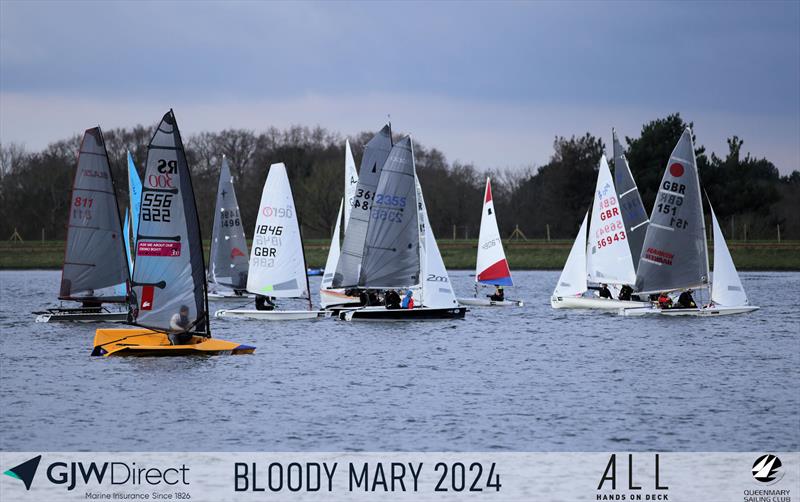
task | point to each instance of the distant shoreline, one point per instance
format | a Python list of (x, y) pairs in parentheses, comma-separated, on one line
[(457, 254)]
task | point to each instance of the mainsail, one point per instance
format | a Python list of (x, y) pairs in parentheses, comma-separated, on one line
[(228, 263), (277, 263), (94, 260), (375, 154), (492, 266), (608, 258), (674, 253), (630, 203), (350, 182), (391, 251), (726, 287), (169, 272), (572, 281)]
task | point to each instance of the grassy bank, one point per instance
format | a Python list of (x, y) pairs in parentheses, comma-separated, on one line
[(458, 254)]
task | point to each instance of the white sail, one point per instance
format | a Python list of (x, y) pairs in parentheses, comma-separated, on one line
[(437, 290), (333, 253), (350, 183), (572, 281), (726, 287), (277, 264), (608, 257), (491, 266)]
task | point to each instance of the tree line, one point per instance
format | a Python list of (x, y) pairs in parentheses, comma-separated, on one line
[(748, 193)]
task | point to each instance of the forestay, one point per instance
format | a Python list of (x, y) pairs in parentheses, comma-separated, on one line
[(94, 260), (572, 281), (229, 257), (169, 271), (277, 264), (375, 154), (391, 251), (674, 254), (630, 203), (492, 266), (608, 256), (726, 287), (437, 290)]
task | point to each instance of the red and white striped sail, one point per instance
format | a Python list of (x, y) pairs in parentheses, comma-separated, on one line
[(492, 266)]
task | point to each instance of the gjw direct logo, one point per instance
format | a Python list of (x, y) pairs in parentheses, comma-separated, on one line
[(25, 471), (766, 469), (72, 474)]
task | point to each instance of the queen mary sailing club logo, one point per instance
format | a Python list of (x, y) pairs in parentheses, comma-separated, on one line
[(25, 471), (767, 469)]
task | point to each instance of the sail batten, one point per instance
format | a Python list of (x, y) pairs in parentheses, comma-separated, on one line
[(375, 154), (228, 262), (674, 252), (95, 263), (169, 272)]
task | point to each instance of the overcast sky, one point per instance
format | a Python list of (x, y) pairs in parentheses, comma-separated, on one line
[(489, 83)]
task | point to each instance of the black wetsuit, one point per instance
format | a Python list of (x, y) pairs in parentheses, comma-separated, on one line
[(685, 301), (625, 293), (605, 293), (264, 303)]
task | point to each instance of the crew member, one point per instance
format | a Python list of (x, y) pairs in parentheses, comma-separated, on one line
[(604, 291), (392, 299), (498, 295), (408, 300), (264, 303), (685, 301), (625, 293), (664, 301), (179, 323)]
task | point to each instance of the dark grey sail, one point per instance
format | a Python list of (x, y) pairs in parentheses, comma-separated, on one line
[(169, 272), (391, 251), (375, 154), (228, 262), (633, 213), (95, 262), (674, 254)]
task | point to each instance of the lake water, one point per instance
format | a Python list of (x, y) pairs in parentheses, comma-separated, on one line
[(528, 379)]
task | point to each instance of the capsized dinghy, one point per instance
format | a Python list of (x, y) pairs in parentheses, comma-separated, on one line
[(95, 270), (675, 252), (277, 260), (228, 265), (169, 273), (491, 267)]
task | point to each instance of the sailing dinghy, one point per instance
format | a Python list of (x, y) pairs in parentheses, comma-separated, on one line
[(95, 270), (169, 273), (675, 252), (277, 259), (329, 296), (400, 251), (228, 264), (607, 256), (491, 267)]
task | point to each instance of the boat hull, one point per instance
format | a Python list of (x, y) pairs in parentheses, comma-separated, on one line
[(333, 298), (485, 302), (79, 315), (228, 295), (145, 342), (596, 303), (715, 311), (382, 314), (273, 315)]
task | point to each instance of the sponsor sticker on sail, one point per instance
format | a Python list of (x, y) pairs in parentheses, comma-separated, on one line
[(147, 297), (158, 248)]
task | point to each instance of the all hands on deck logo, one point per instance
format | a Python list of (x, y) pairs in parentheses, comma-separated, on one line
[(766, 469), (25, 471)]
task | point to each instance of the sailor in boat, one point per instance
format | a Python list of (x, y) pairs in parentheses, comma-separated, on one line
[(604, 291), (685, 301), (179, 324), (91, 305), (664, 301), (392, 300), (264, 303), (498, 295), (408, 300), (625, 293)]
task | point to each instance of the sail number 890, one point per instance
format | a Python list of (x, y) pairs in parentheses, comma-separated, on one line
[(156, 207)]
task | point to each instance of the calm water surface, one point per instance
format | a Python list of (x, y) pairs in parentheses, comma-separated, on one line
[(531, 379)]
